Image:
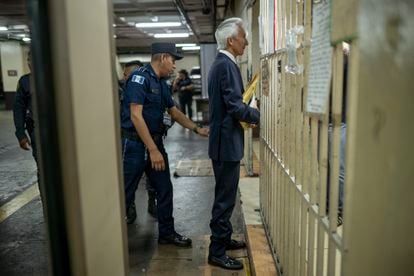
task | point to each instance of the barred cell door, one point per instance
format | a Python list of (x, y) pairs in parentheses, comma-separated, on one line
[(336, 152)]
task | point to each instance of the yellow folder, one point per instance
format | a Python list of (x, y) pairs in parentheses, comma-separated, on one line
[(248, 95)]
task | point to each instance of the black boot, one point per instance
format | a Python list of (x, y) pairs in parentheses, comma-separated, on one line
[(152, 204)]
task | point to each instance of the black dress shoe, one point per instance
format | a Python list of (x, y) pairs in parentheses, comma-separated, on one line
[(225, 262), (175, 239), (131, 214), (234, 245)]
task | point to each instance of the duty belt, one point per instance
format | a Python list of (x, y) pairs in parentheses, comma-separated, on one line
[(133, 135), (130, 134)]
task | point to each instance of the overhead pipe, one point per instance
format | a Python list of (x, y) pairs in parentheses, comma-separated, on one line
[(206, 6), (214, 17), (227, 5), (180, 7)]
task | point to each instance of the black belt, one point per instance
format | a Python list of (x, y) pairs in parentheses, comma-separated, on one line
[(130, 134), (133, 135)]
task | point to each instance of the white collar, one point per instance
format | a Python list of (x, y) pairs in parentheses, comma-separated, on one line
[(230, 55)]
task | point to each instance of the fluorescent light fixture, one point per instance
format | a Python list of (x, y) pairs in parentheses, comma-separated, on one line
[(157, 24), (3, 28), (21, 35), (190, 48), (113, 25), (171, 35), (185, 44), (19, 27), (26, 39)]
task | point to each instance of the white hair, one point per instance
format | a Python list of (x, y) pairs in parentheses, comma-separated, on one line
[(228, 28)]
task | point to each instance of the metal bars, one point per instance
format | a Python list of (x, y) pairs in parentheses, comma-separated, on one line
[(300, 155)]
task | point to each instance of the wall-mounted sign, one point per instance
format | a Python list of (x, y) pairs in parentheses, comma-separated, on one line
[(12, 73)]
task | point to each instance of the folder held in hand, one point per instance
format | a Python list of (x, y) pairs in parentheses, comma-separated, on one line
[(248, 95)]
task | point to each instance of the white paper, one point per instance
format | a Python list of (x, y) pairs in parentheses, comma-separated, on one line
[(320, 60)]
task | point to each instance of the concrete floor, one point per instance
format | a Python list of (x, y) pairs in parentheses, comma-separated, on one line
[(23, 245)]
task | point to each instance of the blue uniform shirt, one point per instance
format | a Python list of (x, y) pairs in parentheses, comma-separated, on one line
[(145, 88)]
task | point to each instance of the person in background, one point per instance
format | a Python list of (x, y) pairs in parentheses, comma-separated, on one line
[(23, 117), (146, 98), (184, 88), (131, 213), (226, 140), (129, 67)]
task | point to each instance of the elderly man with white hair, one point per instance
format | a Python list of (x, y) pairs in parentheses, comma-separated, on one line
[(226, 141)]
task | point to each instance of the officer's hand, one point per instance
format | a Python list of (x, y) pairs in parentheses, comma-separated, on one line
[(157, 161), (252, 125), (203, 131), (25, 143)]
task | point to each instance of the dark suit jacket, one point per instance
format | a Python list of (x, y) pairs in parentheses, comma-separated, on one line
[(225, 88), (22, 109)]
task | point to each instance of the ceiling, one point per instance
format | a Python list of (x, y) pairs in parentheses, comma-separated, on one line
[(197, 18)]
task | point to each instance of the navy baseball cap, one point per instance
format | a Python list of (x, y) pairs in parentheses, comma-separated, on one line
[(165, 47)]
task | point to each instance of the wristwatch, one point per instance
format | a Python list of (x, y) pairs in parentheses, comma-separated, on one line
[(195, 129)]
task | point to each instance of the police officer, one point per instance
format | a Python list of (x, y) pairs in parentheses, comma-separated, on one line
[(131, 212), (146, 98), (129, 67)]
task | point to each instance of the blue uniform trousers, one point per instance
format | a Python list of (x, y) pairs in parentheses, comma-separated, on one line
[(135, 162), (227, 176)]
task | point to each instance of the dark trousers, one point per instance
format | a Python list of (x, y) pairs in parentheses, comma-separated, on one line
[(185, 102), (149, 186), (33, 144), (34, 154), (39, 183), (136, 161), (227, 176)]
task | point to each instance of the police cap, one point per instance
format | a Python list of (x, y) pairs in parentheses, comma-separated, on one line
[(165, 47)]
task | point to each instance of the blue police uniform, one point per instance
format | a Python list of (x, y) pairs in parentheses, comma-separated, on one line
[(143, 87), (226, 145)]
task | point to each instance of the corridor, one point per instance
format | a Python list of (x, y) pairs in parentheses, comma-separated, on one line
[(23, 246)]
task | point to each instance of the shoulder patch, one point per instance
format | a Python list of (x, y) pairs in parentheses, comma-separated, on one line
[(137, 78)]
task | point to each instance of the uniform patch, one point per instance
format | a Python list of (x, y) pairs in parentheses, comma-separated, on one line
[(138, 79)]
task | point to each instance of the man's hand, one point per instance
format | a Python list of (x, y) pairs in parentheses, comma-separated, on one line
[(252, 125), (203, 131), (157, 161), (25, 144)]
